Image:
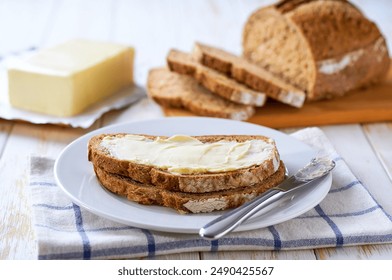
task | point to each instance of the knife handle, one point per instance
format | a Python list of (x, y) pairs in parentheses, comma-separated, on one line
[(229, 221)]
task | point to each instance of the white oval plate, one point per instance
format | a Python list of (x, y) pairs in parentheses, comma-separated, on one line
[(75, 175)]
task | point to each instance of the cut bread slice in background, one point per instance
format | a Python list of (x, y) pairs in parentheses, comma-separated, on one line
[(185, 202), (216, 82), (105, 158), (171, 89), (249, 74)]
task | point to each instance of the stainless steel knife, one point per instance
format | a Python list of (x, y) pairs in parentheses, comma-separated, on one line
[(224, 224)]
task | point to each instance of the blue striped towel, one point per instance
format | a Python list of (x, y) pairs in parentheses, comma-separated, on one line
[(349, 215)]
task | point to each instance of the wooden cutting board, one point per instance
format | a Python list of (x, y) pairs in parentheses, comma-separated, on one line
[(373, 104)]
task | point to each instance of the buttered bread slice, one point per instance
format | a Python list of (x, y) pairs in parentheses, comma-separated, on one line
[(198, 164)]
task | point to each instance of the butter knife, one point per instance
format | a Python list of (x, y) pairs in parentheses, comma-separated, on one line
[(224, 224)]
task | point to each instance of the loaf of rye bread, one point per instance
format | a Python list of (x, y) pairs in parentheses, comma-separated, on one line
[(325, 48), (185, 202), (243, 71), (171, 89), (216, 82), (102, 158)]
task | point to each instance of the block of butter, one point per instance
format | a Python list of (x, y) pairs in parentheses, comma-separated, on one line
[(64, 80)]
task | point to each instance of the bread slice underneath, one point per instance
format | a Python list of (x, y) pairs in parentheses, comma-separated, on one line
[(192, 183), (171, 89), (216, 82), (185, 202), (248, 73)]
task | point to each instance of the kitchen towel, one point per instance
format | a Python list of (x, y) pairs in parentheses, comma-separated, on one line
[(348, 215)]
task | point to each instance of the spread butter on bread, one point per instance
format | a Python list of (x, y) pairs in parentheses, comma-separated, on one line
[(188, 173), (209, 179)]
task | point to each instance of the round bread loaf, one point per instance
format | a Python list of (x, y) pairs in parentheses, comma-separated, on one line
[(325, 48)]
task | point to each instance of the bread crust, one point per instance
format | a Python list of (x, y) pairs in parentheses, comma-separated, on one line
[(192, 183), (171, 89), (185, 202), (368, 66)]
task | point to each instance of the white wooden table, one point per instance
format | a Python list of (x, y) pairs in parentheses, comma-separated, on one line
[(153, 27)]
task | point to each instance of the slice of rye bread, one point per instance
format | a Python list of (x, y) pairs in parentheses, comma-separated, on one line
[(184, 63), (194, 183), (249, 73), (171, 89), (185, 202)]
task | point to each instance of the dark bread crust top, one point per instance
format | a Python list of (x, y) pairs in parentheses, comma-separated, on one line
[(286, 6), (332, 27)]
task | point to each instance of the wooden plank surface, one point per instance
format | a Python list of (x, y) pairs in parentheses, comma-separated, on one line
[(351, 143), (17, 240), (373, 104), (380, 136), (260, 255)]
